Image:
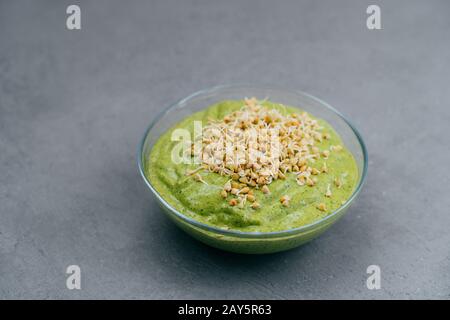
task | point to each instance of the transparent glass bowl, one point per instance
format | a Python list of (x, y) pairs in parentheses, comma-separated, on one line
[(253, 242)]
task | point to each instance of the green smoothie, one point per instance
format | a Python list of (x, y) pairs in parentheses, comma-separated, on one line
[(202, 200)]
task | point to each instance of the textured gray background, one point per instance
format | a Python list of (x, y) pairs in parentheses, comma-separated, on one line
[(74, 105)]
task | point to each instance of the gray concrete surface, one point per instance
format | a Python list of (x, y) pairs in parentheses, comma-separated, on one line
[(74, 105)]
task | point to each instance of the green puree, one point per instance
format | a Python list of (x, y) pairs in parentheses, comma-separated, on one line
[(203, 202)]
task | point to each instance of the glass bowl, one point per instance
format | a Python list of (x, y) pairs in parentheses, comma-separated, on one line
[(253, 242)]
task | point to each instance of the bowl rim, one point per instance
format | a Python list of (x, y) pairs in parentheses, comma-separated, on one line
[(245, 234)]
